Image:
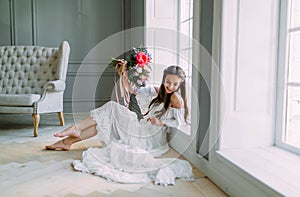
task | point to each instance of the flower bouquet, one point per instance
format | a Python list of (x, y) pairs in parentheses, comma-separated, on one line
[(133, 71), (137, 66)]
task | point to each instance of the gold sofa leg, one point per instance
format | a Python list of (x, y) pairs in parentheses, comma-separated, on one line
[(36, 121), (61, 118)]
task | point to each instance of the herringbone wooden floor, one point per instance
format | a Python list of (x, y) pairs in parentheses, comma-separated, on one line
[(26, 169)]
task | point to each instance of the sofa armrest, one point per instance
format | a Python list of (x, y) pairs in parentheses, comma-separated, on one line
[(51, 86), (55, 86)]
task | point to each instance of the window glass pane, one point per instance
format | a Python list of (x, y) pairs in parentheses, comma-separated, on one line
[(292, 135), (291, 120), (185, 28), (185, 45), (294, 59), (185, 9), (186, 61), (292, 128), (295, 20)]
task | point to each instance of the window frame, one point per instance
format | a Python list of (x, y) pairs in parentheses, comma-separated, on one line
[(183, 59), (189, 49), (282, 77)]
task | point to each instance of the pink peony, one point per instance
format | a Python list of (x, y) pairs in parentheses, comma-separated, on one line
[(142, 59)]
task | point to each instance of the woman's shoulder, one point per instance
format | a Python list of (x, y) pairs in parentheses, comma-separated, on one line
[(177, 100)]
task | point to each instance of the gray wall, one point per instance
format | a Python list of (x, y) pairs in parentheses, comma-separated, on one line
[(83, 23)]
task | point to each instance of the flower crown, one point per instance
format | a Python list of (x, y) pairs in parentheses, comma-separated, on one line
[(136, 64)]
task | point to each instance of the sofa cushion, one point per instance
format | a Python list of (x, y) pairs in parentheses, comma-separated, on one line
[(18, 99), (26, 69)]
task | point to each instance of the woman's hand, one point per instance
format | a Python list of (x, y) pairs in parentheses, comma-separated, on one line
[(123, 73), (121, 66), (156, 121)]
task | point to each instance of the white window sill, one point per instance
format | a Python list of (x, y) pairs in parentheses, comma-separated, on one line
[(271, 166)]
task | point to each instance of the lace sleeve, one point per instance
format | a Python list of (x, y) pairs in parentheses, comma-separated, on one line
[(174, 118)]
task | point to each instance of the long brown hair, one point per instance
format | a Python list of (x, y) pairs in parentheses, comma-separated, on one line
[(165, 98)]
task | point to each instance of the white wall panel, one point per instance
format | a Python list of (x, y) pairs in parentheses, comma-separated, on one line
[(248, 72)]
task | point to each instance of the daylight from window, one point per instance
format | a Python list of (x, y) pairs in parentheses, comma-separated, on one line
[(185, 22), (178, 21), (292, 129)]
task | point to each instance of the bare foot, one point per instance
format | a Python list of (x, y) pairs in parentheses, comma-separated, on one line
[(59, 146), (71, 132)]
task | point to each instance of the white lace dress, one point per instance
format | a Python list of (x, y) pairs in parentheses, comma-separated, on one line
[(131, 146)]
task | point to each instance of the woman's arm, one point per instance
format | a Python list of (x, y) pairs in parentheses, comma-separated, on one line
[(156, 121), (177, 113)]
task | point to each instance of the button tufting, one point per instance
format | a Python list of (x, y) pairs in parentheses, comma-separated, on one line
[(26, 69)]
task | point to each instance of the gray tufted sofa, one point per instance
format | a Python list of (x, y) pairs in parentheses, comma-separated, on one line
[(32, 80)]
